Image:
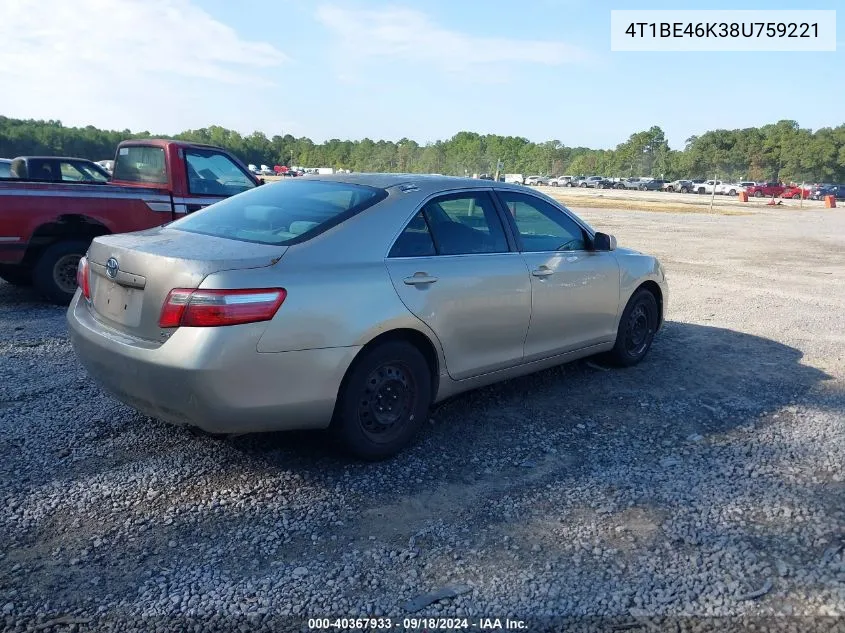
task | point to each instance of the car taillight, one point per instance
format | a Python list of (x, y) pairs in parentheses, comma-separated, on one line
[(83, 279), (211, 308)]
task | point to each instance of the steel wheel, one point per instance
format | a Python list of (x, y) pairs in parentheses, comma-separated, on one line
[(389, 397), (637, 328), (384, 400), (64, 272)]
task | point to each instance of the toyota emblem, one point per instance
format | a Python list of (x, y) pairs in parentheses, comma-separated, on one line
[(112, 267)]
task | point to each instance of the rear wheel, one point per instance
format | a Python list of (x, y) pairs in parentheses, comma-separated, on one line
[(383, 402), (700, 190), (637, 328), (797, 196), (583, 185), (684, 190), (54, 274), (16, 275), (758, 194)]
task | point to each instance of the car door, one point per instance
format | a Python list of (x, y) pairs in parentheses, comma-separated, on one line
[(574, 290), (455, 269)]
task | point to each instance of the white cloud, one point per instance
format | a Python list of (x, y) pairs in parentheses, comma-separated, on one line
[(397, 33), (60, 59)]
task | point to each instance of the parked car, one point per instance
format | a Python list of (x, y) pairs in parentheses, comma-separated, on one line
[(517, 179), (655, 184), (108, 165), (48, 225), (57, 169), (591, 181), (707, 186), (678, 186), (628, 183), (766, 190), (838, 191), (561, 181), (537, 180), (797, 192), (730, 188), (5, 167), (236, 330)]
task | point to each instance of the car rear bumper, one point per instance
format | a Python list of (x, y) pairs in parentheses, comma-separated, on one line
[(212, 378)]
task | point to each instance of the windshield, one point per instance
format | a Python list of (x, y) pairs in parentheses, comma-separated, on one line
[(282, 213)]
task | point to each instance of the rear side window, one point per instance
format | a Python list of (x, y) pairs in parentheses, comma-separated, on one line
[(141, 164), (283, 213)]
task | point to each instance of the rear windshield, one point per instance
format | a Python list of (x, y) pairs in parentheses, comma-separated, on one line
[(140, 164), (281, 213)]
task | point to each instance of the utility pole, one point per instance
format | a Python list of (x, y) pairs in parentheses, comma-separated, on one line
[(713, 195)]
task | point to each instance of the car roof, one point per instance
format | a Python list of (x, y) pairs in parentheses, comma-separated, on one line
[(51, 158), (425, 183)]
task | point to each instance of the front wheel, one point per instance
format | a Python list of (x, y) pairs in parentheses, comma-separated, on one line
[(797, 196), (637, 328), (54, 274), (383, 402), (758, 194), (684, 190)]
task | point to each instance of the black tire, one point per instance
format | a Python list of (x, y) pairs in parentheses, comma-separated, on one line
[(758, 194), (569, 184), (701, 191), (16, 275), (393, 370), (684, 190), (54, 274), (732, 192), (583, 185), (797, 196), (637, 328)]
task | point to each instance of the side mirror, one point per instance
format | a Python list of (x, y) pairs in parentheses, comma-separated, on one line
[(604, 242), (259, 181)]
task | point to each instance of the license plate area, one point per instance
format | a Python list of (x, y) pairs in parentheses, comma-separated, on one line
[(117, 303)]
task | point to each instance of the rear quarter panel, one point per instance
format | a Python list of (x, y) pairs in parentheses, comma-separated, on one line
[(342, 269)]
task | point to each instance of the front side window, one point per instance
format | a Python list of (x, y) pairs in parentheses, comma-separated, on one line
[(214, 174), (281, 213), (542, 227)]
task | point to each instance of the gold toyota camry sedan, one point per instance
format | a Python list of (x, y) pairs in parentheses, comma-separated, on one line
[(354, 303)]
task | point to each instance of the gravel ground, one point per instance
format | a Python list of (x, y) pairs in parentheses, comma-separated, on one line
[(708, 481)]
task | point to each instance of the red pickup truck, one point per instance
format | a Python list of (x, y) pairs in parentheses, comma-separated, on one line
[(766, 190), (46, 227)]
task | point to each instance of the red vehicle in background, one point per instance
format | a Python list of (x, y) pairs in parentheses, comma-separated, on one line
[(796, 192), (766, 190), (46, 227)]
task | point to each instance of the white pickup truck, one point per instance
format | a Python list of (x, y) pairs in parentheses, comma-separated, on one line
[(722, 187)]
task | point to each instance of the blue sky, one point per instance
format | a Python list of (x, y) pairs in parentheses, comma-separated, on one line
[(541, 69)]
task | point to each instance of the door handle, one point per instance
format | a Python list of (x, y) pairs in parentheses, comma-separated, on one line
[(419, 279), (542, 271)]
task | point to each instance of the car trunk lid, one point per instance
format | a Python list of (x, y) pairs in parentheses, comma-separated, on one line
[(132, 273)]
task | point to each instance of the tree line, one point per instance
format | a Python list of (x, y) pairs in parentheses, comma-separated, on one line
[(779, 151)]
